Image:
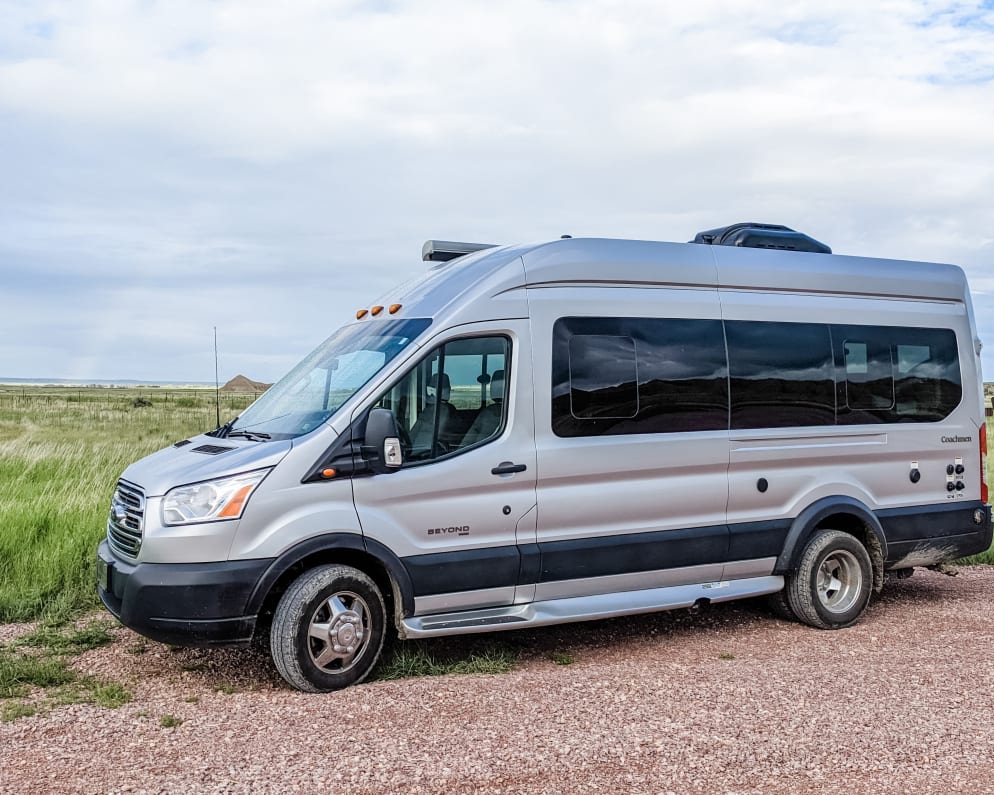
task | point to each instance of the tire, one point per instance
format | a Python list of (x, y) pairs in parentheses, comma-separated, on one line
[(780, 606), (328, 629), (831, 587)]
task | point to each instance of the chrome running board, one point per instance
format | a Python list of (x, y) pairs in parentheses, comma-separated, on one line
[(586, 608)]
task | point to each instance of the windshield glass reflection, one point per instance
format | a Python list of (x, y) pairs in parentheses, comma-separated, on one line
[(314, 390)]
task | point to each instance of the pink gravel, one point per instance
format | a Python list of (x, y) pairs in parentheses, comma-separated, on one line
[(726, 700)]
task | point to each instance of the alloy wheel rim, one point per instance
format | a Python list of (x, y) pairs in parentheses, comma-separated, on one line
[(839, 581), (338, 632)]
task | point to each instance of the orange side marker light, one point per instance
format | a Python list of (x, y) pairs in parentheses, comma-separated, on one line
[(234, 508)]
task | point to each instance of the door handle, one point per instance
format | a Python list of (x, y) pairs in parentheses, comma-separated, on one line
[(507, 468)]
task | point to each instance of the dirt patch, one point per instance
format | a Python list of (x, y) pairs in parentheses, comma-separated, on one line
[(9, 632), (727, 700)]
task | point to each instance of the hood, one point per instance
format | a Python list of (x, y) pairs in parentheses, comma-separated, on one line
[(202, 458)]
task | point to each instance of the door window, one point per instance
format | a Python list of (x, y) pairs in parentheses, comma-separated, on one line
[(452, 399)]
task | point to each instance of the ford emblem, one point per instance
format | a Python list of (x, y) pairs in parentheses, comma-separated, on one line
[(118, 511)]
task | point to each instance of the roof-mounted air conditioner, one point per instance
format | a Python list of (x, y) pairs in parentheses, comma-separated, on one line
[(753, 235)]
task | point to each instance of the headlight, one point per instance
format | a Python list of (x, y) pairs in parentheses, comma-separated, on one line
[(210, 501)]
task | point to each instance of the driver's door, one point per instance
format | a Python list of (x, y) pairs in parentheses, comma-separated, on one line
[(464, 499)]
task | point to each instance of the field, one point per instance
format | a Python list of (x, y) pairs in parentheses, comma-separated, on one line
[(61, 452)]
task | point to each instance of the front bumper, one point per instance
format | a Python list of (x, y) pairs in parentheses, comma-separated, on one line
[(183, 604)]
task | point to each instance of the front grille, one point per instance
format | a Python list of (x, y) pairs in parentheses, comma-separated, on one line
[(127, 519)]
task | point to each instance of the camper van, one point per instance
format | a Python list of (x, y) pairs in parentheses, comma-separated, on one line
[(572, 430)]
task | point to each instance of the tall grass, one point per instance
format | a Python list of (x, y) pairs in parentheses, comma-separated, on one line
[(61, 452)]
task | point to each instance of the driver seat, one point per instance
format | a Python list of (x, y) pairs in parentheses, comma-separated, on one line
[(437, 396)]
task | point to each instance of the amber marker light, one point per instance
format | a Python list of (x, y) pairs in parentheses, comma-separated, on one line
[(394, 308), (376, 310), (328, 473), (361, 314), (234, 507)]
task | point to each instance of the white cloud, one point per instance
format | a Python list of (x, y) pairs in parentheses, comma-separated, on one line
[(186, 149)]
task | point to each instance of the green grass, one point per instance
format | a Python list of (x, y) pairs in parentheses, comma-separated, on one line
[(12, 710), (415, 658), (75, 641), (61, 452), (39, 662), (20, 672), (170, 721)]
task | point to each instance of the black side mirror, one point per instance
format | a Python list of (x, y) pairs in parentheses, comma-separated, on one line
[(381, 443)]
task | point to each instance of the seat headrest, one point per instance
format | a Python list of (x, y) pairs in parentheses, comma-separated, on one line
[(446, 389), (497, 385)]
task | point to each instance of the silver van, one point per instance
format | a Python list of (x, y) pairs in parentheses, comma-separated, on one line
[(572, 430)]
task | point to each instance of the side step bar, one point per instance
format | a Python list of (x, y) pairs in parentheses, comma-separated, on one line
[(586, 608)]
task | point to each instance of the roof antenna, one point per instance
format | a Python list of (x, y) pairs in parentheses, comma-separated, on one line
[(217, 383)]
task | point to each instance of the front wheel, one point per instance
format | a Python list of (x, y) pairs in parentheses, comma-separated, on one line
[(831, 587), (328, 629)]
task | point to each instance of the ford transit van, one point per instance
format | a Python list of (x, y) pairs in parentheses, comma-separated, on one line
[(572, 430)]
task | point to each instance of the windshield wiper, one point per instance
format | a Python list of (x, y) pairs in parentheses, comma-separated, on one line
[(255, 436), (222, 430)]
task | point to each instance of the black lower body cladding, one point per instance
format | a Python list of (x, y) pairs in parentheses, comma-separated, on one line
[(188, 604)]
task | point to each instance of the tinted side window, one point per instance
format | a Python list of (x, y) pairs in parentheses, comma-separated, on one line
[(912, 374), (869, 376), (782, 374), (603, 377), (638, 375), (927, 383)]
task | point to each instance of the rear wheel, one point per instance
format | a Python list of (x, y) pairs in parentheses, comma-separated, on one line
[(328, 629), (832, 584)]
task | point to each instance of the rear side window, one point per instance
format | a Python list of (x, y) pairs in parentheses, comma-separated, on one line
[(910, 374), (782, 374), (638, 375), (603, 377), (666, 375), (868, 370)]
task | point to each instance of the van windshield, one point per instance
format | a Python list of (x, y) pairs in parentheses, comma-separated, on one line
[(314, 390)]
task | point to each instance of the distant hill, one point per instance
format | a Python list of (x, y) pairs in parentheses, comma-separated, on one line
[(242, 384)]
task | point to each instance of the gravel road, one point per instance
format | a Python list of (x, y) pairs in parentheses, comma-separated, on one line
[(726, 700)]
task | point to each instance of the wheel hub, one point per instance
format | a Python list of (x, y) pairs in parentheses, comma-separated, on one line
[(346, 632), (338, 632)]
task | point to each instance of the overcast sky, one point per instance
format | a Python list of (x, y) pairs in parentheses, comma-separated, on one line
[(268, 168)]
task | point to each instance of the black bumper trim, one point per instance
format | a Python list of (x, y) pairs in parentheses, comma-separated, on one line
[(184, 604), (944, 531)]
